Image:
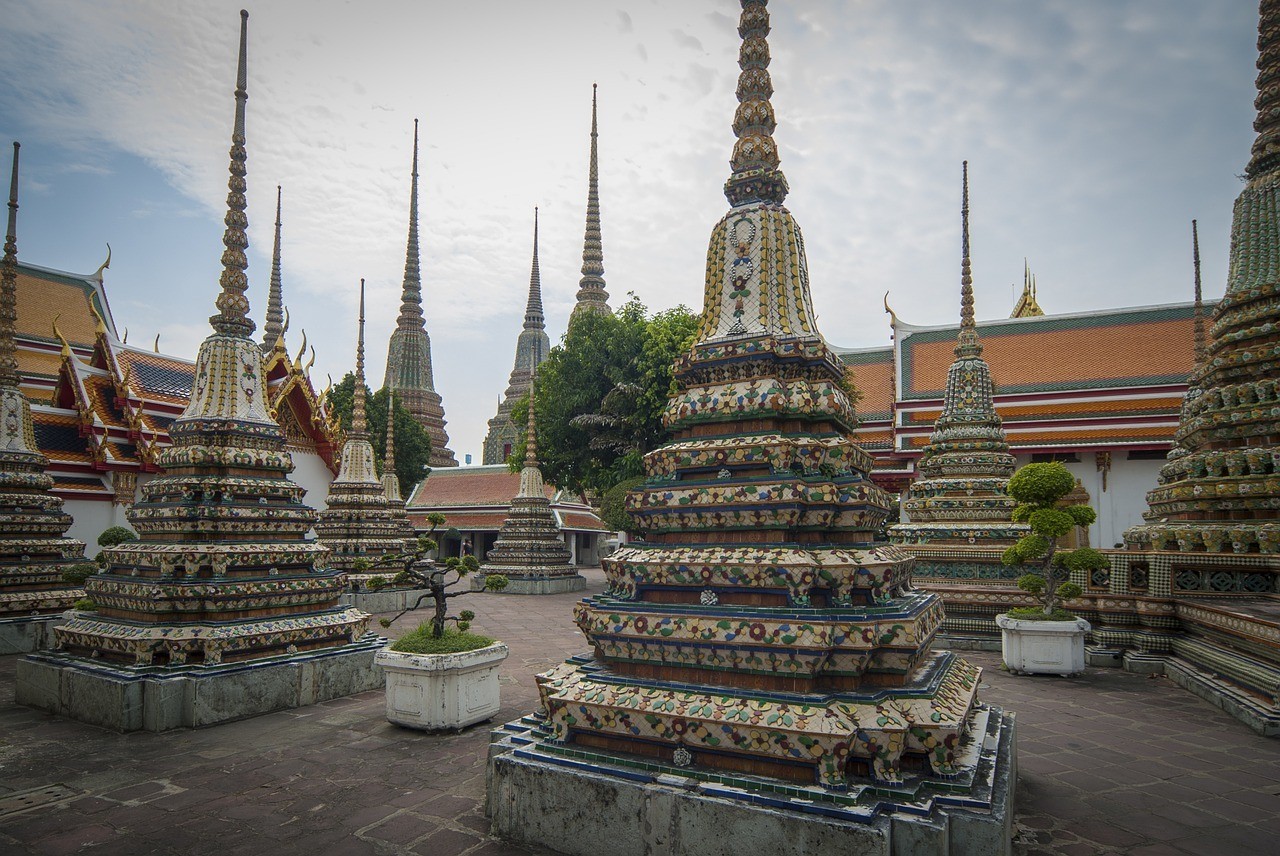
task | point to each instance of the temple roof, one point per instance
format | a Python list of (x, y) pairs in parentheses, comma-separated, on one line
[(477, 498)]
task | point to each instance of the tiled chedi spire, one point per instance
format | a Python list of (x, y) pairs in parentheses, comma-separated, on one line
[(273, 330), (33, 553), (223, 570), (961, 501), (532, 348), (390, 481), (591, 293), (1222, 495), (757, 557), (409, 354), (360, 522), (529, 545)]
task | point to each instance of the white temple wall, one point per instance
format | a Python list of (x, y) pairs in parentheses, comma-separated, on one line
[(91, 517), (1120, 506), (311, 472)]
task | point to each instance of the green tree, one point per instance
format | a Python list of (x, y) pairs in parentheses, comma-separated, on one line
[(601, 394), (1037, 488), (413, 445)]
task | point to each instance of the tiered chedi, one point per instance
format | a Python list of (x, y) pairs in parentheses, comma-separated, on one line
[(530, 551), (360, 522), (223, 570), (33, 553), (960, 510), (756, 628), (273, 330), (592, 296), (409, 354), (1221, 492), (532, 348)]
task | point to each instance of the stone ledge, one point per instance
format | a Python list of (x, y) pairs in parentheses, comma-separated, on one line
[(375, 602), (137, 700), (537, 585), (28, 633)]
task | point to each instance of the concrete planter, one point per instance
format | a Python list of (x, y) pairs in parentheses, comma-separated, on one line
[(1042, 647), (442, 691)]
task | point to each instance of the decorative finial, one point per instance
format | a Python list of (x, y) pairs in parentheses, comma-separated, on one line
[(533, 317), (106, 264), (1265, 158), (756, 177), (359, 427), (1199, 298), (967, 344), (893, 316), (9, 284), (531, 430), (125, 340), (297, 361), (591, 288), (156, 347), (274, 329), (233, 306), (57, 334)]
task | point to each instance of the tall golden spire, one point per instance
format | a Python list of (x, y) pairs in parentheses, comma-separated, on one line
[(359, 427), (967, 344), (9, 284), (233, 307), (756, 177), (591, 292), (274, 328)]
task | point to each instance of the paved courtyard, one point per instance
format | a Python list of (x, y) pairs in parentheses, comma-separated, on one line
[(1110, 763)]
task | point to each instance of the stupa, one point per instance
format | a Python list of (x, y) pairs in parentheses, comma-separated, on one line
[(273, 330), (530, 551), (961, 514), (360, 522), (532, 348), (592, 296), (223, 608), (33, 551), (409, 370), (761, 675)]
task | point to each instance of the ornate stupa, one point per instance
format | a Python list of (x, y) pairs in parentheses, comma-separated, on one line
[(532, 348), (33, 551), (360, 522), (591, 293), (409, 354), (756, 648), (223, 574), (530, 551), (960, 510)]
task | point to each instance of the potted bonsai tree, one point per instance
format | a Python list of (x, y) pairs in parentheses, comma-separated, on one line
[(440, 676), (1046, 638)]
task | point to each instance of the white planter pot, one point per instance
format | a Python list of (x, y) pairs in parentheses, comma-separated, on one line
[(1042, 647), (442, 691)]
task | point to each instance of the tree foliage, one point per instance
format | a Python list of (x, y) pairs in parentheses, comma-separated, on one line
[(601, 393), (613, 507), (413, 445)]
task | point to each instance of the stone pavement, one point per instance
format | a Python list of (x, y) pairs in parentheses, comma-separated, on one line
[(1110, 763)]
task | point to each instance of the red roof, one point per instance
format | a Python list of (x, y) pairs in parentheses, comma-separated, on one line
[(463, 486)]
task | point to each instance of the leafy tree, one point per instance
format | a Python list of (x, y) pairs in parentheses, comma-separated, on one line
[(613, 508), (1037, 488), (413, 445), (601, 394)]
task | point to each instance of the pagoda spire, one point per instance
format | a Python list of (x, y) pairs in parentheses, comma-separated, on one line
[(232, 304), (533, 317), (274, 328), (390, 481), (1265, 159), (1199, 297), (359, 426), (531, 431), (755, 177), (967, 344), (411, 291), (9, 284), (591, 292)]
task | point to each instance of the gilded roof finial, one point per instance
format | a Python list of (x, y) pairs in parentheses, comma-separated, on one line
[(591, 291), (1199, 298), (9, 284), (274, 329), (297, 361), (967, 344), (756, 177), (893, 316), (233, 306), (57, 334), (1027, 307), (156, 347), (105, 264), (1266, 147), (533, 317), (359, 428)]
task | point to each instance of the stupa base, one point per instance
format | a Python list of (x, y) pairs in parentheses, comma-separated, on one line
[(570, 798), (160, 699), (533, 585), (385, 600), (28, 633)]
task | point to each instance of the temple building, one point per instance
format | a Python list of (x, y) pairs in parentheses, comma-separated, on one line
[(960, 511), (722, 660), (223, 575), (409, 372), (529, 551), (592, 296), (532, 348), (34, 551)]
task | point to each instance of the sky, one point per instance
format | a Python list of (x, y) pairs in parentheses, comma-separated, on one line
[(1095, 131)]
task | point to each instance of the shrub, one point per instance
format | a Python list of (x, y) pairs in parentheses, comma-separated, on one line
[(424, 641), (376, 583), (86, 604), (613, 509), (79, 572), (116, 535)]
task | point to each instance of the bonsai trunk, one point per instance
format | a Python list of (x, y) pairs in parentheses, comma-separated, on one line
[(1050, 600), (442, 607)]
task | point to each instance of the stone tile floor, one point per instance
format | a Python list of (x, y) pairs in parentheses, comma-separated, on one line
[(1110, 763)]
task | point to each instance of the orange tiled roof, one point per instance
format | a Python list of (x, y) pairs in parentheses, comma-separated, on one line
[(582, 520), (44, 295), (1085, 407), (873, 377), (465, 521), (451, 487)]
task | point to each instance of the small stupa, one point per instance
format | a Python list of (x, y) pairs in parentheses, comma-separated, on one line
[(33, 551), (360, 523), (273, 331), (530, 551), (961, 514), (592, 296), (223, 608)]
